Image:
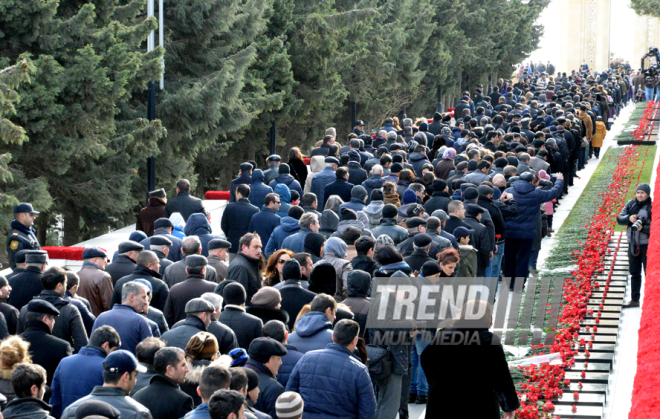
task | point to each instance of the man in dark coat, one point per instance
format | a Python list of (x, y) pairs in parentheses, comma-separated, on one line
[(266, 220), (456, 212), (68, 325), (193, 287), (223, 334), (324, 149), (126, 318), (284, 177), (147, 268), (481, 240), (19, 258), (374, 182), (323, 178), (389, 226), (9, 311), (245, 268), (183, 203), (420, 255), (163, 397), (339, 187), (356, 174), (218, 249), (29, 390), (176, 272), (45, 349), (27, 284), (440, 198), (163, 228), (416, 225), (199, 225), (161, 247), (149, 214), (258, 189), (125, 263), (364, 261), (199, 313), (273, 170), (294, 296), (21, 234), (265, 360), (239, 213), (244, 178), (95, 284), (246, 327)]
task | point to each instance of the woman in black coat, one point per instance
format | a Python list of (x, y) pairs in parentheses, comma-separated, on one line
[(470, 379), (298, 166)]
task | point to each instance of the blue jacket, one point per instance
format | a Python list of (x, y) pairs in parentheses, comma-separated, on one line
[(132, 327), (264, 222), (198, 225), (285, 199), (320, 181), (236, 220), (529, 200), (202, 412), (243, 178), (374, 182), (296, 242), (418, 160), (287, 180), (289, 362), (313, 331), (334, 384), (75, 377), (288, 226), (258, 190), (339, 187)]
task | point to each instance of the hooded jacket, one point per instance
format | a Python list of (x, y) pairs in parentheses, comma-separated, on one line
[(198, 225), (179, 225), (313, 331), (316, 164), (343, 225), (374, 182), (329, 221), (296, 242), (359, 284), (418, 160), (287, 180), (374, 213), (258, 190), (288, 226), (529, 200), (334, 253), (115, 397), (285, 199)]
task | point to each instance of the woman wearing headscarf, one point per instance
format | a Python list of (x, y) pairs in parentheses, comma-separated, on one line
[(334, 252), (179, 225), (636, 215), (446, 165), (314, 244)]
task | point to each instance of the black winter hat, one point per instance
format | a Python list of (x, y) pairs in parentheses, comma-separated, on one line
[(291, 270), (234, 294), (390, 211), (284, 169)]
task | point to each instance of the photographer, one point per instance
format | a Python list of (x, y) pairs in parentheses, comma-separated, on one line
[(636, 215)]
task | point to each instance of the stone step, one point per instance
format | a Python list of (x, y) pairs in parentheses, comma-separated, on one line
[(612, 293), (606, 308), (582, 412), (605, 315), (595, 357), (586, 388), (585, 399), (602, 330), (592, 366), (590, 377), (596, 347), (598, 338), (603, 322)]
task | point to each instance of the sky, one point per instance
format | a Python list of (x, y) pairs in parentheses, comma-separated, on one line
[(622, 18)]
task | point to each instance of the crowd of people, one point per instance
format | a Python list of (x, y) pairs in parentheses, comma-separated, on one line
[(268, 318)]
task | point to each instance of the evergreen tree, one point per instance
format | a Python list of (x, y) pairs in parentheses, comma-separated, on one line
[(646, 7)]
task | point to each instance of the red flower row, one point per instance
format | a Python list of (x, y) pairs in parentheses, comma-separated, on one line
[(545, 382)]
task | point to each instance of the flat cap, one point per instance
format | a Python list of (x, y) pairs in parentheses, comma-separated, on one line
[(219, 244), (20, 256), (196, 261), (461, 166), (470, 192), (42, 306), (440, 214), (331, 159), (414, 210), (160, 241), (24, 207), (199, 305), (129, 246), (485, 190), (274, 157), (36, 256), (145, 283), (422, 240), (158, 193), (415, 222), (97, 408), (473, 210), (460, 232), (94, 252), (266, 347), (163, 223)]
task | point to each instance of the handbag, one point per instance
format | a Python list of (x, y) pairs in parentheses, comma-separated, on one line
[(379, 362)]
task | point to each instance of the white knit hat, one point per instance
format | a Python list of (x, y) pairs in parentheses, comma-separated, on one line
[(289, 405)]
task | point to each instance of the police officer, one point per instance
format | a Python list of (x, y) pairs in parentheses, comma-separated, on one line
[(27, 285), (21, 235), (358, 129)]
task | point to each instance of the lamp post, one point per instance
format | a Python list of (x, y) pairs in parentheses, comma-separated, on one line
[(151, 93)]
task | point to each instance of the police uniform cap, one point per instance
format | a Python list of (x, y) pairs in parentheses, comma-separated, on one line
[(274, 157), (264, 348), (219, 244), (196, 261), (42, 306), (160, 241), (163, 223), (129, 246), (94, 252), (331, 159), (246, 167), (422, 240), (199, 305), (473, 210), (359, 123), (24, 207), (36, 256), (415, 222), (158, 193)]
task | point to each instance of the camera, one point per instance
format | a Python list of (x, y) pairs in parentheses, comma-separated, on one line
[(637, 225), (651, 71)]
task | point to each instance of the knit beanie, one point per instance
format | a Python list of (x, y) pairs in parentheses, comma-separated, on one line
[(253, 379), (289, 405), (291, 270), (390, 211), (234, 294), (358, 192), (409, 196), (644, 187), (268, 297), (239, 357)]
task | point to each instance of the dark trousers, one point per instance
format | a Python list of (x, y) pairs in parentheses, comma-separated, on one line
[(597, 152), (516, 258), (635, 269), (405, 387)]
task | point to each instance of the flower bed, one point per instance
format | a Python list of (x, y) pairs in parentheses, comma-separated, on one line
[(64, 252)]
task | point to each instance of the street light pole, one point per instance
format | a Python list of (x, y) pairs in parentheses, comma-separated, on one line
[(151, 93)]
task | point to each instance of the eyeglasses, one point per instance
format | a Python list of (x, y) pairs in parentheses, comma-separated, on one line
[(277, 202), (282, 261)]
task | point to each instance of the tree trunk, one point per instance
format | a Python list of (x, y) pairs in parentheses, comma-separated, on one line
[(71, 227)]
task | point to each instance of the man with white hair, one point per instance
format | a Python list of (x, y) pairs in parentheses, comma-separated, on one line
[(375, 181)]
